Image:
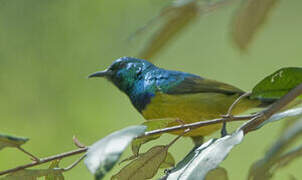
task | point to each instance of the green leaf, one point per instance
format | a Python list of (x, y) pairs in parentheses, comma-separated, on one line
[(177, 17), (205, 158), (145, 166), (34, 174), (103, 155), (217, 174), (168, 162), (57, 176), (11, 141), (278, 84), (248, 19), (151, 125)]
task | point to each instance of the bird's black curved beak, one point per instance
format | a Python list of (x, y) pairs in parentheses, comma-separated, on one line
[(100, 74)]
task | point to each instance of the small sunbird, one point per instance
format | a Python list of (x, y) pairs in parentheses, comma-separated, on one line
[(158, 94)]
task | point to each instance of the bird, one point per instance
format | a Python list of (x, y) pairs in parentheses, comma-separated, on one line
[(157, 93)]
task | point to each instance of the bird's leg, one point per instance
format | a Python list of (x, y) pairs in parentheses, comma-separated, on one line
[(223, 131)]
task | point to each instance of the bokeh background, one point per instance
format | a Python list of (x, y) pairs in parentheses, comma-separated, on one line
[(47, 49)]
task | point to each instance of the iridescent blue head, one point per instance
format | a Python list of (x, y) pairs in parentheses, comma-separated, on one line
[(124, 72)]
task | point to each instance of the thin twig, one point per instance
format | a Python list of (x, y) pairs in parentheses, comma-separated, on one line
[(199, 124), (235, 103), (45, 160), (33, 157), (75, 163), (179, 136), (77, 142), (230, 114)]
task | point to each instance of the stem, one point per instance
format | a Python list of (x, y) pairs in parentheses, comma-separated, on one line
[(236, 102), (45, 160), (229, 113), (199, 124), (179, 136), (75, 163), (277, 106), (33, 157)]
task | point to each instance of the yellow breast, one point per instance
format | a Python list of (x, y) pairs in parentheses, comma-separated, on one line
[(189, 108)]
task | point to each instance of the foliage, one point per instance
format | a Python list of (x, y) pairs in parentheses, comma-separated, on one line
[(151, 125), (145, 166), (181, 13), (205, 158), (278, 84), (248, 19), (203, 161), (52, 173), (177, 17), (103, 155)]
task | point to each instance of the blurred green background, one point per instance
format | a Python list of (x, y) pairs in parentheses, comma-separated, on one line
[(48, 47)]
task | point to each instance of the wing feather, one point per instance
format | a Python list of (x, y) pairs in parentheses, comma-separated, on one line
[(196, 84)]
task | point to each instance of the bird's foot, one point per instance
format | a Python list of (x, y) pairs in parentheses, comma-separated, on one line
[(224, 129)]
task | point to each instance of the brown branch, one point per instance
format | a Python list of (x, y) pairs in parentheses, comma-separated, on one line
[(149, 133), (256, 120), (45, 160), (276, 107), (199, 124)]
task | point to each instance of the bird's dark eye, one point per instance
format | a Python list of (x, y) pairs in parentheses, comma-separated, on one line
[(115, 67)]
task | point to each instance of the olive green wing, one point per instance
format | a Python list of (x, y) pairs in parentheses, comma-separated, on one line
[(195, 84)]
